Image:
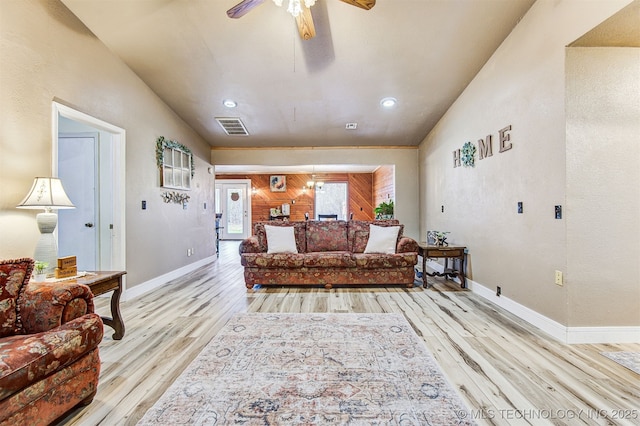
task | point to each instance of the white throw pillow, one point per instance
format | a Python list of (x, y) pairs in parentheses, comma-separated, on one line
[(382, 239), (280, 239)]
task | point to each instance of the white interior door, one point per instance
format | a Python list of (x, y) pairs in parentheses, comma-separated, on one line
[(234, 204), (77, 228)]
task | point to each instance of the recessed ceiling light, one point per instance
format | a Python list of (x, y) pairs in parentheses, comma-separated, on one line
[(351, 126), (229, 103), (388, 102)]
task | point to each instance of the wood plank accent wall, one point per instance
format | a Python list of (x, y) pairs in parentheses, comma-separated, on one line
[(383, 185), (360, 194)]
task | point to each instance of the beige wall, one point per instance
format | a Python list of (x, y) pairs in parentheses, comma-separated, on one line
[(47, 55), (523, 85), (404, 160), (603, 185)]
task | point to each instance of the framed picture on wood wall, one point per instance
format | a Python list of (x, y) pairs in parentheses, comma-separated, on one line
[(278, 183)]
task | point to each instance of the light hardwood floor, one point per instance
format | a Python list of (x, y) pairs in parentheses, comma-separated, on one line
[(506, 371)]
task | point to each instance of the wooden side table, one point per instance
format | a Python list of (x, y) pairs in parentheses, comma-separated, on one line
[(444, 252), (101, 282)]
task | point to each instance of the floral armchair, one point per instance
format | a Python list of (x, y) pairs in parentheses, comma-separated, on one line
[(49, 338)]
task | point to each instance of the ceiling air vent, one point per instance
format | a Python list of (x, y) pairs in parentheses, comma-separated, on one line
[(232, 126)]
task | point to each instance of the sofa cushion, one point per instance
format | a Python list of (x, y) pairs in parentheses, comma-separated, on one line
[(46, 400), (14, 274), (360, 239), (329, 259), (381, 261), (358, 233), (299, 232), (26, 359), (382, 239), (275, 260), (280, 239), (328, 235)]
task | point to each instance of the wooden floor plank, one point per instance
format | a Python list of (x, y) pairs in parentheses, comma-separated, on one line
[(506, 370)]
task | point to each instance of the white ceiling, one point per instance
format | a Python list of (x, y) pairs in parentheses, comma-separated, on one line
[(308, 169), (292, 92)]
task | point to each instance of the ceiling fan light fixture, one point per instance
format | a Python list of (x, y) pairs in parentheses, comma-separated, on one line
[(295, 6), (388, 102)]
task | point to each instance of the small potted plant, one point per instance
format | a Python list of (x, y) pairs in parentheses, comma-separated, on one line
[(39, 269), (384, 210), (441, 238)]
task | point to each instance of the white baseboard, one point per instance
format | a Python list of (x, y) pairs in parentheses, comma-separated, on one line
[(569, 335), (157, 282), (576, 335)]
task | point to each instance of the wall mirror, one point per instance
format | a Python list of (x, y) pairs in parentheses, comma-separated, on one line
[(176, 164)]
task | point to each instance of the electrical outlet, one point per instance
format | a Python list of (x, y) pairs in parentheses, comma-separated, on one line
[(188, 252), (559, 280), (498, 291), (558, 212)]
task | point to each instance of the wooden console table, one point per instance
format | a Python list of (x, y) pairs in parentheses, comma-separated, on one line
[(101, 282), (444, 252)]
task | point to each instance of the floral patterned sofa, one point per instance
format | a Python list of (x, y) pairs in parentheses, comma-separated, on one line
[(49, 339), (328, 253)]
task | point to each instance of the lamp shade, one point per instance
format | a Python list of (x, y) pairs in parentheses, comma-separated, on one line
[(46, 193)]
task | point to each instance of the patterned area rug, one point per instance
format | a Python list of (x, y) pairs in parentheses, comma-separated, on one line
[(631, 360), (312, 369)]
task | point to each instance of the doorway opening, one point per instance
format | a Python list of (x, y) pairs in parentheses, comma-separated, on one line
[(89, 156), (332, 200)]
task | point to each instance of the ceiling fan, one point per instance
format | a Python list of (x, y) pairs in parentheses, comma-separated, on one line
[(300, 9)]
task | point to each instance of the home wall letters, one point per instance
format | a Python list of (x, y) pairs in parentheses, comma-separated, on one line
[(466, 155)]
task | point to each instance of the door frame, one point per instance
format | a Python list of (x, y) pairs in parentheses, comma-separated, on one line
[(118, 141), (247, 200)]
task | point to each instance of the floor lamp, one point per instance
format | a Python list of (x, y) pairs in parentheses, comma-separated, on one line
[(46, 193)]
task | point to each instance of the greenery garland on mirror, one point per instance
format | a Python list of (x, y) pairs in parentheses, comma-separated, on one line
[(163, 143)]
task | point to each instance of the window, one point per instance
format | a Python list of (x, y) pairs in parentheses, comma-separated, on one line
[(332, 198), (176, 164)]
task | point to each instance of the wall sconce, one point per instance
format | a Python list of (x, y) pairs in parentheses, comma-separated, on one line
[(313, 183), (46, 193)]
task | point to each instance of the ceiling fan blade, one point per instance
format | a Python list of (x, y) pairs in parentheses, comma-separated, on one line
[(363, 4), (242, 8), (305, 23)]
